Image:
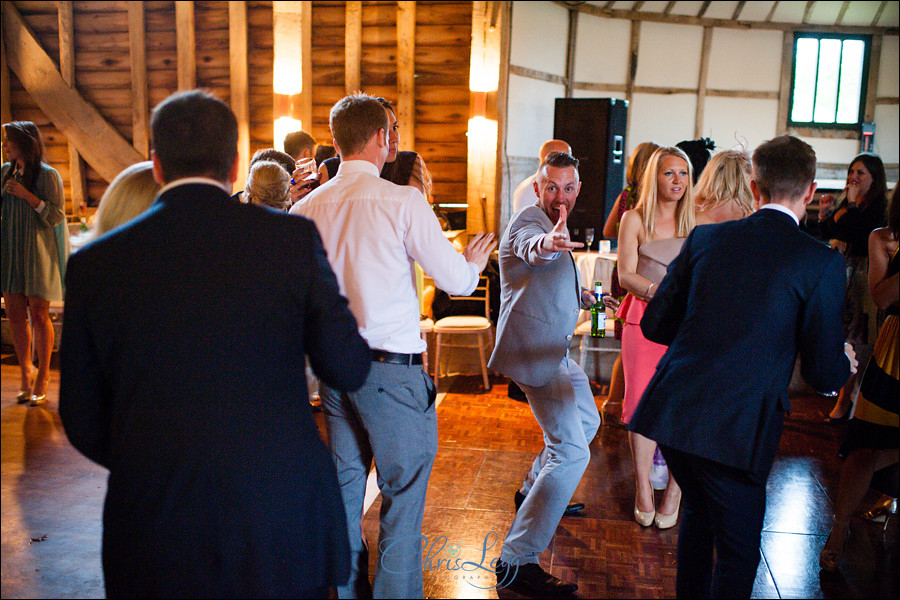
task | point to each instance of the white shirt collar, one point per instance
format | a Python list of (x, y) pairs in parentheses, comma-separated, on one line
[(357, 166), (226, 187), (781, 208)]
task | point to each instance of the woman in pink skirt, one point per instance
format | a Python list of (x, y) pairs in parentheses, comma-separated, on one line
[(650, 236)]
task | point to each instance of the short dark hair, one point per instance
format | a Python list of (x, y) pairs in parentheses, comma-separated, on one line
[(784, 167), (354, 120), (194, 134), (282, 158), (324, 152), (297, 141), (560, 160)]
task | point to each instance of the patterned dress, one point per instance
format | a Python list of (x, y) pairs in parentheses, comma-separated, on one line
[(875, 421)]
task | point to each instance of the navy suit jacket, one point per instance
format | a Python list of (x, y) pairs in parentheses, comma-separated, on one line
[(736, 307), (182, 373)]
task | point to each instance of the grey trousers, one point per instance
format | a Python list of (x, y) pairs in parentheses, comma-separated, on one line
[(392, 419), (566, 412)]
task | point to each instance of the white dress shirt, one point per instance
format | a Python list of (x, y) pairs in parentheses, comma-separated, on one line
[(373, 232), (524, 194)]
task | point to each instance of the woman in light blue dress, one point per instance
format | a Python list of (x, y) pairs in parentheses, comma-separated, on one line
[(34, 252)]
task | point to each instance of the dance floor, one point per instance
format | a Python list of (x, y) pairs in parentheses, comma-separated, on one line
[(52, 501)]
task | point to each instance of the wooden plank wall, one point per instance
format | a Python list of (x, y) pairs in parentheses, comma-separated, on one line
[(103, 72)]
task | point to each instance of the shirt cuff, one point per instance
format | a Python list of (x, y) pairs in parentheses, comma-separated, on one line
[(40, 207), (545, 254)]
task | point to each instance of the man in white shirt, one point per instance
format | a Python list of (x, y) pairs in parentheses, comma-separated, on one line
[(373, 232), (525, 194)]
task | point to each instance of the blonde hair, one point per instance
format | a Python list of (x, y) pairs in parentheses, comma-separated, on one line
[(726, 177), (637, 164), (268, 184), (128, 195), (647, 204)]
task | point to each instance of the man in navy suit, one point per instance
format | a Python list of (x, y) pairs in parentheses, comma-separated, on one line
[(182, 373), (738, 304)]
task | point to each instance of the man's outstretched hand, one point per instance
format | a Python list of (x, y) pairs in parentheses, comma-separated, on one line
[(558, 238)]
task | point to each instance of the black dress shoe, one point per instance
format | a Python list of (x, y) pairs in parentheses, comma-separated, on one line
[(531, 580), (571, 509)]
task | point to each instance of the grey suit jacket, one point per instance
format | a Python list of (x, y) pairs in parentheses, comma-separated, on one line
[(539, 302)]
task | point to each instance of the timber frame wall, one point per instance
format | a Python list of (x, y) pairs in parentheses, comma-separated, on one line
[(783, 95), (88, 73)]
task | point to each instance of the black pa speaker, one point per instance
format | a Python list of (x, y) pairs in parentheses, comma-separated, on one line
[(595, 129)]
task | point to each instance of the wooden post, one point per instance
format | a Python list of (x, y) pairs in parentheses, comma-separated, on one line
[(872, 87), (187, 44), (701, 82), (240, 84), (406, 73), (570, 52), (784, 90), (140, 121), (67, 70), (632, 70), (352, 46), (505, 20)]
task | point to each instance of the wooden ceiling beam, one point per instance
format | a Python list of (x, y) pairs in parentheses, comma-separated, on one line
[(843, 11), (82, 124), (669, 7), (772, 11), (737, 11), (880, 10), (658, 17)]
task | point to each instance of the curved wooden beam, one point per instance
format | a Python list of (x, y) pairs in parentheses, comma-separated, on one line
[(98, 142)]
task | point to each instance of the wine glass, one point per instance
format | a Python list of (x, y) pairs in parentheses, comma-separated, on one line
[(588, 238)]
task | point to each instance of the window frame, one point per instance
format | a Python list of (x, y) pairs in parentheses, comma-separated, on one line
[(866, 39)]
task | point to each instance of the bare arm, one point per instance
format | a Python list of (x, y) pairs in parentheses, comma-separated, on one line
[(630, 231), (612, 221), (885, 290)]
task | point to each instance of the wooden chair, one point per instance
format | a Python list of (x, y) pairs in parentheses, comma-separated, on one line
[(449, 329)]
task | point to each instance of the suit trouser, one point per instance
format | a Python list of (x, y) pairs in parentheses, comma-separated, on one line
[(392, 419), (566, 411), (723, 509)]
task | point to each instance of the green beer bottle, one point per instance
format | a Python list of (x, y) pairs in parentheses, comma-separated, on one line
[(598, 313)]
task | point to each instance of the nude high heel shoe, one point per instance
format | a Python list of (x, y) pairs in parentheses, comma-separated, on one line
[(666, 521), (644, 519)]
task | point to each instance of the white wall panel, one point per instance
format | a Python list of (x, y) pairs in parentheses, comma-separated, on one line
[(732, 121), (601, 49), (729, 68), (889, 67), (833, 150), (540, 33), (665, 120), (669, 55), (530, 116), (887, 124)]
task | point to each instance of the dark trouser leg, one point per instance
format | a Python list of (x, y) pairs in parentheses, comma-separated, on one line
[(732, 503)]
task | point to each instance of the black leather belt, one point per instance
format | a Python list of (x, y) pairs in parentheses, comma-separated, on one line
[(395, 358)]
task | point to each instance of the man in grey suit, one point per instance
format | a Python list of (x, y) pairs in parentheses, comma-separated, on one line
[(540, 300)]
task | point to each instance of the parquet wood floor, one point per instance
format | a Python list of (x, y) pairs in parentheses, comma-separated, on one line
[(52, 502)]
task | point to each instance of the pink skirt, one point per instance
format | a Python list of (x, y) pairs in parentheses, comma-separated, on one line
[(639, 355)]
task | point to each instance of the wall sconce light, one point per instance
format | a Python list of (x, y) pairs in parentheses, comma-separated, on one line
[(287, 69)]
